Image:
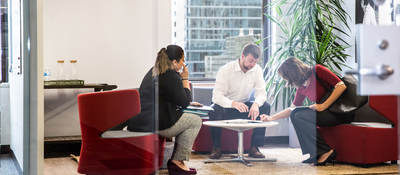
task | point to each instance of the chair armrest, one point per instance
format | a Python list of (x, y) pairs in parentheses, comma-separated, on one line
[(124, 134)]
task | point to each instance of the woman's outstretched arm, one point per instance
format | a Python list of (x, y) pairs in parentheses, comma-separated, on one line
[(282, 114)]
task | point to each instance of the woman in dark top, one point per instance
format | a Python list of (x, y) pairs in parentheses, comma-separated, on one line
[(174, 95), (313, 83)]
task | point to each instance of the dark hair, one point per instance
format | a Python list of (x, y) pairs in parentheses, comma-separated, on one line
[(165, 57), (294, 71), (251, 49), (174, 52)]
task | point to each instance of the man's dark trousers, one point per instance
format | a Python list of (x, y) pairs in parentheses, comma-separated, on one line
[(221, 113)]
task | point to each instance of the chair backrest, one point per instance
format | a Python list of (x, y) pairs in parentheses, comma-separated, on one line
[(101, 111), (386, 106)]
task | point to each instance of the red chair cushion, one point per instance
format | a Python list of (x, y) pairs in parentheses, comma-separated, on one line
[(366, 145), (362, 145)]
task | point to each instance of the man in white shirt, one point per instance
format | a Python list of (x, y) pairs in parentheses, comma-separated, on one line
[(234, 84)]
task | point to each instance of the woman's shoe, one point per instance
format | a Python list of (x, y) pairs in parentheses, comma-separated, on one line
[(174, 169), (331, 159), (193, 170)]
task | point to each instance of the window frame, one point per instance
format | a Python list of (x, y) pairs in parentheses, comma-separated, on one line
[(4, 45), (266, 43)]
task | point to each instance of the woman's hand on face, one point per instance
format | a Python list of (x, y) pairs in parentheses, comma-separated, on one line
[(185, 72), (317, 107)]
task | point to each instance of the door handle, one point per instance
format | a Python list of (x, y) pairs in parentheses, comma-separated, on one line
[(382, 71)]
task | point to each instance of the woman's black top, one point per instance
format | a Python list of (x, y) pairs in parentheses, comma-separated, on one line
[(172, 99)]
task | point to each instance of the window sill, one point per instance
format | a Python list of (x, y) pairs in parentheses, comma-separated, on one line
[(203, 84), (4, 85)]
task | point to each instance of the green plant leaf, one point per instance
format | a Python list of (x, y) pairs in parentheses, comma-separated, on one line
[(315, 31)]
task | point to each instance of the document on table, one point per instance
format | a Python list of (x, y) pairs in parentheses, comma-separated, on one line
[(197, 112), (203, 108), (241, 121)]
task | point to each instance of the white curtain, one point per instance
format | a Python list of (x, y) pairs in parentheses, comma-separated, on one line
[(369, 15)]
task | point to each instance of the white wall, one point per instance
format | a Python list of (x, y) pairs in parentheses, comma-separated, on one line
[(115, 41)]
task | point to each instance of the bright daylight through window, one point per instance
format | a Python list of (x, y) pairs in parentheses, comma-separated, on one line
[(213, 32)]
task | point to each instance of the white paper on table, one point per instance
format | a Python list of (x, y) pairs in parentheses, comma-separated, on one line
[(204, 108), (241, 121)]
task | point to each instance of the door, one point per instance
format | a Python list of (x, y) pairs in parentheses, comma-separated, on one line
[(25, 86), (379, 60), (378, 53)]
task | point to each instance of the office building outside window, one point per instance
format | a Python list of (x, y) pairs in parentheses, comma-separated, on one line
[(4, 41), (213, 32)]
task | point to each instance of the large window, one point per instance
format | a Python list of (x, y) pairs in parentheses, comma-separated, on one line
[(4, 41), (213, 32)]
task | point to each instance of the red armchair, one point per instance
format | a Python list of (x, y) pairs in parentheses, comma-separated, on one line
[(366, 145), (104, 153)]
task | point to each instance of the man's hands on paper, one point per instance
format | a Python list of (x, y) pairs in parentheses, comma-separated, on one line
[(241, 107), (254, 111)]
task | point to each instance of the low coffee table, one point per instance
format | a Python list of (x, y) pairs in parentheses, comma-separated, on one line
[(240, 125)]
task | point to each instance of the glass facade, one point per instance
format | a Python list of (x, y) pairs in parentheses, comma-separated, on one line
[(209, 24), (4, 40)]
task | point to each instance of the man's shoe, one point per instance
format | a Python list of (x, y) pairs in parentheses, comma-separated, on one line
[(216, 153), (255, 153)]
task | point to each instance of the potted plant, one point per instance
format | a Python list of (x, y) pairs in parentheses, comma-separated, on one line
[(311, 30)]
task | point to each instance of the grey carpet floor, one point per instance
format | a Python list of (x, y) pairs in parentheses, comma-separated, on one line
[(7, 166), (288, 162)]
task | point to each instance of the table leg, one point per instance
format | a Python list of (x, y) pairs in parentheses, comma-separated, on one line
[(240, 149), (247, 163), (240, 157)]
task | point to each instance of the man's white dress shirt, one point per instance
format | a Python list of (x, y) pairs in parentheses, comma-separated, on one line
[(232, 84)]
